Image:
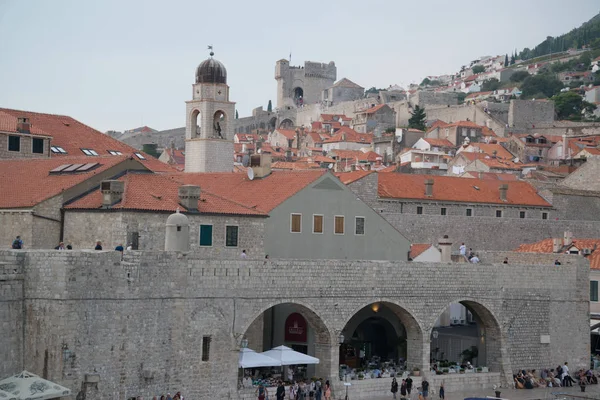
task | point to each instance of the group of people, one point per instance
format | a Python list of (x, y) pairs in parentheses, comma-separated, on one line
[(406, 388), (178, 396), (302, 390), (555, 377), (471, 256)]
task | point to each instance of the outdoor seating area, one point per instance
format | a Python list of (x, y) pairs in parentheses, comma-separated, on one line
[(28, 386)]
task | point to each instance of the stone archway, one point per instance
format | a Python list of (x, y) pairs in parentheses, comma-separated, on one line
[(482, 331), (196, 123), (268, 330), (406, 341), (219, 124), (286, 124)]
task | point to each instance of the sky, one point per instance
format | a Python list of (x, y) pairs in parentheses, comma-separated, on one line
[(120, 64)]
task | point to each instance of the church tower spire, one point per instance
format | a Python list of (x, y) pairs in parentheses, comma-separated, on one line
[(209, 120)]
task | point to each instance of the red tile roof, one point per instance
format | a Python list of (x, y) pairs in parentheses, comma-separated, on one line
[(447, 188), (490, 175), (349, 177), (346, 134), (223, 193), (332, 117), (317, 158), (489, 149), (546, 246), (288, 133), (72, 136), (439, 142), (373, 110), (417, 249), (369, 156), (176, 158), (27, 182)]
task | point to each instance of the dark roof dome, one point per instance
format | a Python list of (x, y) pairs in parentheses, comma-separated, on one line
[(211, 71)]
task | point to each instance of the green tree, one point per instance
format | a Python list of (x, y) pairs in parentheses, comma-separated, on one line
[(545, 84), (519, 76), (461, 97), (237, 116), (506, 60), (270, 106), (490, 85), (417, 121), (373, 90), (425, 82), (570, 105), (150, 149), (512, 59), (478, 69)]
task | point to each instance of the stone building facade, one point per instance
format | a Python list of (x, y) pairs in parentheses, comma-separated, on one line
[(155, 322), (297, 86), (23, 145)]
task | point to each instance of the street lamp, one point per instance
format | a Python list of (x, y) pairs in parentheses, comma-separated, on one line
[(341, 338), (244, 343)]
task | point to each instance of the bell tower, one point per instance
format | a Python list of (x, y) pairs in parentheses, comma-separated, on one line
[(209, 120)]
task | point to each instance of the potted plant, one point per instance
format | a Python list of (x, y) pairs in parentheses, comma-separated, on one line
[(416, 371), (360, 376), (445, 370), (478, 369)]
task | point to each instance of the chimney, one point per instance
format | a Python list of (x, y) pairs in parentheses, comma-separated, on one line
[(112, 192), (568, 238), (445, 246), (503, 189), (23, 125), (261, 165), (428, 187), (556, 245), (480, 175), (189, 195)]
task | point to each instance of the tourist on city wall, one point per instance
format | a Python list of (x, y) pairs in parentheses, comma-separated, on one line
[(409, 383), (394, 389), (119, 248), (442, 391), (61, 246), (425, 386), (99, 247), (463, 250), (17, 243), (243, 256)]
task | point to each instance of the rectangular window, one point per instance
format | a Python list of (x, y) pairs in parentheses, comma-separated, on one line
[(593, 290), (206, 348), (231, 236), (317, 224), (14, 143), (140, 156), (89, 152), (206, 237), (443, 211), (339, 225), (296, 223), (522, 214), (544, 215), (37, 146), (58, 149), (359, 228), (469, 212), (419, 210), (498, 213)]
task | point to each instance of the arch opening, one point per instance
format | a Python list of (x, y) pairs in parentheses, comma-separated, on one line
[(295, 326), (466, 335), (381, 336), (299, 96), (196, 123), (286, 124), (219, 125)]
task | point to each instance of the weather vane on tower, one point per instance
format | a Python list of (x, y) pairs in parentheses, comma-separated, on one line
[(210, 47)]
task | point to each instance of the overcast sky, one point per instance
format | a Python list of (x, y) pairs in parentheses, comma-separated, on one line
[(118, 64)]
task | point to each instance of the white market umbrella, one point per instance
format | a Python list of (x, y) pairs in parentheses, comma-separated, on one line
[(7, 396), (31, 387), (251, 359), (287, 356)]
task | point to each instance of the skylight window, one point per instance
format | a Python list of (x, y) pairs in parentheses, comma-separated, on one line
[(58, 150), (140, 156), (89, 152), (115, 152)]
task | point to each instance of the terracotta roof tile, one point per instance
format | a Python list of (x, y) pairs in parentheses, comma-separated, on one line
[(439, 142), (348, 177), (447, 188), (369, 156), (288, 133), (417, 249), (373, 110), (295, 166), (465, 124), (72, 136), (490, 175), (27, 182), (546, 246), (489, 149), (347, 134)]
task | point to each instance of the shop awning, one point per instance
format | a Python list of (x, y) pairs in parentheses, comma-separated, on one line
[(31, 387), (287, 356), (595, 325), (251, 359), (7, 396)]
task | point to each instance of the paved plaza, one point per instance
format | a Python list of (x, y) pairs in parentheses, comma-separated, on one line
[(591, 392)]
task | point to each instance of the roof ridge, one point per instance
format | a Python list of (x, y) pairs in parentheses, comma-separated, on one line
[(35, 112)]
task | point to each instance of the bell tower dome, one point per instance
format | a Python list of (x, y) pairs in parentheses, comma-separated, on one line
[(209, 120)]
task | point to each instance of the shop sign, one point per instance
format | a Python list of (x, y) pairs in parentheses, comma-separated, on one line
[(295, 328)]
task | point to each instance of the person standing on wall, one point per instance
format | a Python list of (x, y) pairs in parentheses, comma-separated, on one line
[(408, 385), (403, 390), (394, 389), (17, 244)]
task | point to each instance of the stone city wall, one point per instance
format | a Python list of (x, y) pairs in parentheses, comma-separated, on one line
[(140, 323), (528, 113)]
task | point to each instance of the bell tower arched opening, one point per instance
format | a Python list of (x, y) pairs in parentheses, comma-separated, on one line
[(196, 124), (299, 96), (219, 125)]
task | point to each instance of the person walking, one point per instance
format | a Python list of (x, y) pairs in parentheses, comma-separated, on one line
[(463, 251), (244, 255), (394, 388), (280, 394), (442, 394), (262, 392), (403, 390), (318, 389), (425, 387), (409, 383), (327, 391)]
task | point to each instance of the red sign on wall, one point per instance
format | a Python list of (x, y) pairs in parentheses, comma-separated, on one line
[(295, 328)]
